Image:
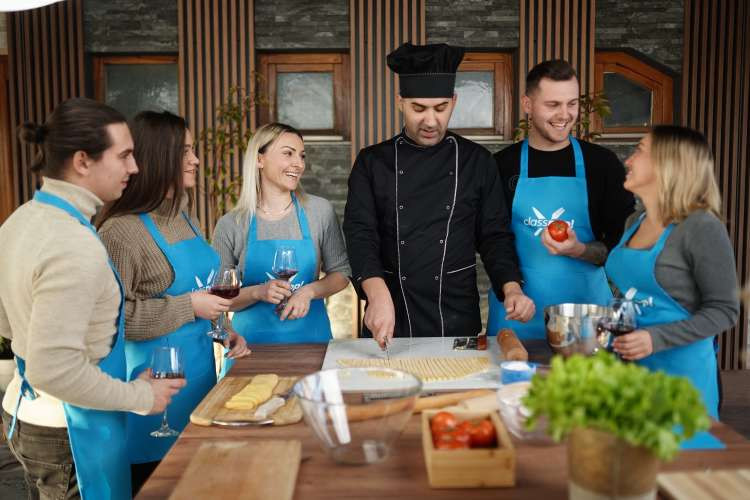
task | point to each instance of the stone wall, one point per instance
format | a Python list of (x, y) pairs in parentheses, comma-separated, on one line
[(652, 27), (130, 26), (293, 24), (473, 23)]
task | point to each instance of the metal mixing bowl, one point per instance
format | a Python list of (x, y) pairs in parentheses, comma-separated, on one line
[(571, 328)]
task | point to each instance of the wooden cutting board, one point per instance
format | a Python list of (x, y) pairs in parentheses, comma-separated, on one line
[(703, 485), (212, 407), (256, 470)]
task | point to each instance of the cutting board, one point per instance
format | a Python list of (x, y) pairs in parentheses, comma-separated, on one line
[(726, 484), (212, 406), (420, 347), (256, 470)]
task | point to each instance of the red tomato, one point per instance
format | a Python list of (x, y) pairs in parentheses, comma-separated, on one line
[(451, 440), (443, 421), (483, 434), (558, 230), (466, 427)]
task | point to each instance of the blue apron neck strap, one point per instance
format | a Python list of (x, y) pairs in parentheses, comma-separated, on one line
[(64, 205), (301, 218), (524, 171), (190, 223), (153, 230), (577, 156)]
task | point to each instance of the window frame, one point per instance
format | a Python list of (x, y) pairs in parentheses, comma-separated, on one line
[(100, 62), (658, 82), (501, 64), (270, 64)]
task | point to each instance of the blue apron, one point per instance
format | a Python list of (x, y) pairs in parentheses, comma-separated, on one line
[(550, 279), (259, 323), (97, 437), (188, 259), (634, 268)]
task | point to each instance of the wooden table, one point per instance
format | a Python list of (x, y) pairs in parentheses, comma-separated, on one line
[(541, 471)]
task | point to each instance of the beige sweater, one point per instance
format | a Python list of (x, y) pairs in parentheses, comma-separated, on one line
[(146, 273), (59, 302)]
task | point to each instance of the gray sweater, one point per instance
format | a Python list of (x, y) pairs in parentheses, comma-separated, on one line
[(230, 236), (696, 268)]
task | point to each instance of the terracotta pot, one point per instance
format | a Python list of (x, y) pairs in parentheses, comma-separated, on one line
[(601, 465)]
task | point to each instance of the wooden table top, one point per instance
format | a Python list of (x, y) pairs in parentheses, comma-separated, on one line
[(541, 471)]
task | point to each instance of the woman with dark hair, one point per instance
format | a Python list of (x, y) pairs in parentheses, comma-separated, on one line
[(677, 256), (161, 255), (61, 305)]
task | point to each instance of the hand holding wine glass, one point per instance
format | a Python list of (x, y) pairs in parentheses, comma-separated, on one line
[(284, 268), (166, 363), (226, 284), (620, 320)]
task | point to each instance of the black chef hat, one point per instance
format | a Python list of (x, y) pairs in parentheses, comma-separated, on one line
[(426, 70)]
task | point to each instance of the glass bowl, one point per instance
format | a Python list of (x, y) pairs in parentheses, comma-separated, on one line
[(358, 413), (514, 414)]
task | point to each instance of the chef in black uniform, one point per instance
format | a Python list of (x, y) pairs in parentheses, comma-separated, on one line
[(420, 206)]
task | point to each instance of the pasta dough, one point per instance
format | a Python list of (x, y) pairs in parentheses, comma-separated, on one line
[(258, 391), (427, 369)]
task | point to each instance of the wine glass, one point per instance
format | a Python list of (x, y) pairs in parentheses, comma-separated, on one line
[(226, 284), (166, 362), (620, 319), (284, 268)]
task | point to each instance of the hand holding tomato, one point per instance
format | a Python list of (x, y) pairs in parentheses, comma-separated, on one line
[(569, 246), (558, 230)]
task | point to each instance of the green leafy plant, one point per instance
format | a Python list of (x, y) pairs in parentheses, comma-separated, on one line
[(644, 408), (225, 142), (589, 105)]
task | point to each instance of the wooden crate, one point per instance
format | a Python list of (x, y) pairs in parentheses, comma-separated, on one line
[(475, 468)]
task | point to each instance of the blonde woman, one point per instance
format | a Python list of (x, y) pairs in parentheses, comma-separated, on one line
[(272, 213), (676, 253)]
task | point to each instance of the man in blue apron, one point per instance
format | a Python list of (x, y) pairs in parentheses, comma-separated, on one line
[(420, 207), (549, 176), (61, 302)]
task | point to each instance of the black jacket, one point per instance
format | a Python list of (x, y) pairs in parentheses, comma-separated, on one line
[(416, 216)]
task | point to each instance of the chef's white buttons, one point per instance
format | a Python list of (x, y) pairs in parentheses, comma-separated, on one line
[(437, 278), (402, 242), (447, 207), (401, 172), (441, 242), (403, 278), (450, 173), (400, 207)]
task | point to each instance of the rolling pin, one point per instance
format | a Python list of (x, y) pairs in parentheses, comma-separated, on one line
[(378, 409), (510, 346)]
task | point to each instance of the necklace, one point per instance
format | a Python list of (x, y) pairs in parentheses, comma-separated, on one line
[(269, 212)]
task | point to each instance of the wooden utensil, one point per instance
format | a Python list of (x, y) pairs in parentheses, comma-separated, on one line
[(256, 470), (703, 485), (511, 348), (212, 409)]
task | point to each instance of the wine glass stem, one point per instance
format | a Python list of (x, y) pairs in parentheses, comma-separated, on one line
[(220, 322), (164, 423)]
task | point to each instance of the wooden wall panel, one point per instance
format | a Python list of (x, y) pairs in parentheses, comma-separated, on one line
[(377, 28), (216, 53), (46, 67), (6, 166), (557, 29), (716, 101)]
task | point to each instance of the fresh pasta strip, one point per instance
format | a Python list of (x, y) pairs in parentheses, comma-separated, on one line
[(428, 369), (258, 391)]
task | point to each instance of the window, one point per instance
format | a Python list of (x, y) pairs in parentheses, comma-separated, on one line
[(639, 94), (135, 83), (484, 98), (307, 91)]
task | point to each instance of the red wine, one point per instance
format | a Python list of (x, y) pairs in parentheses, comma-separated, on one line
[(167, 375), (225, 291), (286, 274), (614, 328)]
